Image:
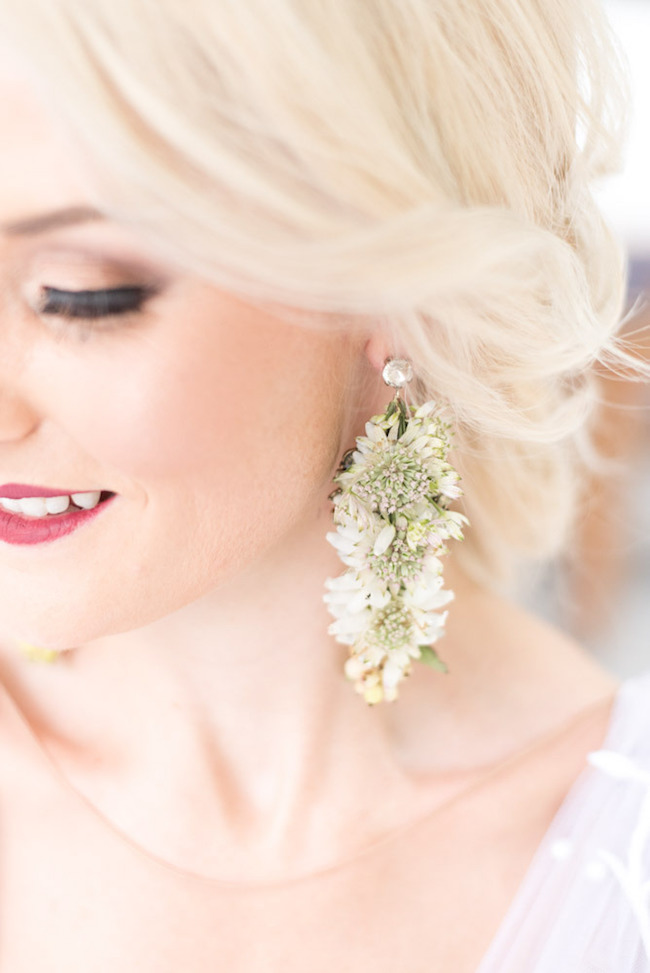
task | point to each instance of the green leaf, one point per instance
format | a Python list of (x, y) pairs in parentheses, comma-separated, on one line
[(390, 408), (431, 658), (403, 418)]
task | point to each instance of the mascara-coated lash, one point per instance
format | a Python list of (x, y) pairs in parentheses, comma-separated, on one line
[(93, 303)]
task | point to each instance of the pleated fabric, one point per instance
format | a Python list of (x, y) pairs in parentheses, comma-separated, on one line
[(584, 906)]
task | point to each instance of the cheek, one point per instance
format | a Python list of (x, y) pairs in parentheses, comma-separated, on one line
[(220, 441), (237, 412)]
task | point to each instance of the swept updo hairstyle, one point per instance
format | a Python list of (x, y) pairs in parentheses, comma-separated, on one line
[(419, 166)]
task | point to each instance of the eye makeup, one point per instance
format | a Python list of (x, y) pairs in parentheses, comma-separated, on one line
[(91, 304), (89, 291)]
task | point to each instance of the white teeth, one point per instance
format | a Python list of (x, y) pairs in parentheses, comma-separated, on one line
[(56, 505), (32, 506), (87, 500), (42, 506)]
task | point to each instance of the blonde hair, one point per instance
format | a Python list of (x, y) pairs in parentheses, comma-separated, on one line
[(420, 165)]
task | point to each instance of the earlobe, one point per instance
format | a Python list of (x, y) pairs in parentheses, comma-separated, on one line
[(377, 350)]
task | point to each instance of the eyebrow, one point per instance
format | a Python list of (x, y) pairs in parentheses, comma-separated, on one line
[(50, 221)]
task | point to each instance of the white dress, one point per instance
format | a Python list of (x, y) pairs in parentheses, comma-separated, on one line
[(583, 906)]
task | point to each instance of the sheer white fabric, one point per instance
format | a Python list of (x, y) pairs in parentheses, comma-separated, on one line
[(584, 906)]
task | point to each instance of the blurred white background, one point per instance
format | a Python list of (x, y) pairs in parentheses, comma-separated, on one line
[(605, 602), (626, 198)]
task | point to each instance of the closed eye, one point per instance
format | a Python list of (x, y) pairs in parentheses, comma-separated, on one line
[(87, 304)]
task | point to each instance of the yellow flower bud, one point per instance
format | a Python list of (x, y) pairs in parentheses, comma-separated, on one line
[(373, 694)]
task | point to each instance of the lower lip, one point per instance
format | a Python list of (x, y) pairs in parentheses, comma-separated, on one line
[(15, 529)]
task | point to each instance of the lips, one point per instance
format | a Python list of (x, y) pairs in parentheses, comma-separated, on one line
[(16, 491), (16, 529)]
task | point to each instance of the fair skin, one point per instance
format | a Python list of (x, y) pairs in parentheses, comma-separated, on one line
[(200, 703)]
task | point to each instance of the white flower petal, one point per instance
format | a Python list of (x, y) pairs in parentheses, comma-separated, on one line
[(400, 657), (374, 433), (436, 628), (428, 597), (425, 409), (384, 539), (373, 655), (343, 544), (379, 597), (408, 436), (350, 530), (392, 673), (345, 638), (358, 601), (420, 443), (353, 667), (350, 623), (348, 581), (432, 566)]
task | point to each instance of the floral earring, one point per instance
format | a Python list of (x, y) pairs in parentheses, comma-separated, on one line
[(392, 520)]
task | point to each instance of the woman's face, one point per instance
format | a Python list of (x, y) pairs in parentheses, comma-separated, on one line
[(218, 426)]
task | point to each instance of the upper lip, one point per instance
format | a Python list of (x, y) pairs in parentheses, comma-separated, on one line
[(16, 491)]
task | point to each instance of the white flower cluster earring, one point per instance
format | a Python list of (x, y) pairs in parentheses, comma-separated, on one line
[(392, 517)]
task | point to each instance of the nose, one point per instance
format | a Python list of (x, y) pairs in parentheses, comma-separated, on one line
[(17, 418), (18, 415)]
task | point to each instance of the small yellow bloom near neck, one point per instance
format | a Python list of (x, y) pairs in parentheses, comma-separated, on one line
[(373, 694), (37, 654)]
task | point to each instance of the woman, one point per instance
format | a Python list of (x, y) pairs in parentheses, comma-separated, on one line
[(220, 221)]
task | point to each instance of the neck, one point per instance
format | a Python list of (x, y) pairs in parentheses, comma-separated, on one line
[(244, 688)]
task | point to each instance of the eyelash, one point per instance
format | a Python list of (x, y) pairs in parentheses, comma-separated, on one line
[(80, 307)]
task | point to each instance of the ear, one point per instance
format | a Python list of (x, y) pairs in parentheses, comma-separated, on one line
[(377, 350)]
